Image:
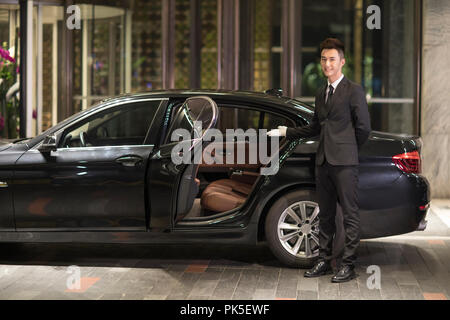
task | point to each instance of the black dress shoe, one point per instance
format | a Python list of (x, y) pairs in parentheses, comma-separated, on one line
[(320, 268), (345, 273)]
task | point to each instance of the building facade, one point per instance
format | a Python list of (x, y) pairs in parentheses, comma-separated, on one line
[(72, 54)]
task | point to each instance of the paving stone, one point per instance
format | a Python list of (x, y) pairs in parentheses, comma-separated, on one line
[(411, 268), (435, 296), (51, 295), (212, 274), (22, 295), (349, 290), (246, 285), (162, 288), (368, 292), (204, 288), (231, 275), (223, 293), (327, 289), (444, 256), (406, 277), (432, 261), (416, 263), (430, 285), (198, 297), (307, 295), (155, 297), (264, 294), (308, 284), (286, 293), (390, 289), (377, 254), (288, 279), (250, 276), (411, 292), (177, 296), (268, 279)]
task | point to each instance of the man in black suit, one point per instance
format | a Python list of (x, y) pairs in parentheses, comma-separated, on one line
[(342, 119)]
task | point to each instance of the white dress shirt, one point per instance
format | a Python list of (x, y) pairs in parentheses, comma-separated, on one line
[(334, 84)]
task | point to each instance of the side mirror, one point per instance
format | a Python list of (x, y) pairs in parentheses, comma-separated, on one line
[(49, 144)]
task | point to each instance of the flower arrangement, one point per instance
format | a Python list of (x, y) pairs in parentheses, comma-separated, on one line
[(8, 110)]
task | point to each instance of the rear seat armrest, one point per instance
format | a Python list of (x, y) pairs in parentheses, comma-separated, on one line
[(244, 176)]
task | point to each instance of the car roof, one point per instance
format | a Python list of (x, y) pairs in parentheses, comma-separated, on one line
[(292, 105), (284, 104)]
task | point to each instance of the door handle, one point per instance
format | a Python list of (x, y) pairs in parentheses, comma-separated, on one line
[(129, 161)]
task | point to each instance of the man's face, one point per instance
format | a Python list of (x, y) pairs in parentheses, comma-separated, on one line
[(331, 63)]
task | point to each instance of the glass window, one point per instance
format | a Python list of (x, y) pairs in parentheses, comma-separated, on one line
[(240, 118), (49, 68), (247, 119), (9, 41), (180, 120), (209, 44), (98, 54), (4, 27), (272, 121), (182, 35), (125, 125), (146, 45), (381, 60), (195, 109), (267, 45)]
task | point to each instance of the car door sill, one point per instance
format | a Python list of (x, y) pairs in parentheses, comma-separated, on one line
[(127, 229), (209, 220)]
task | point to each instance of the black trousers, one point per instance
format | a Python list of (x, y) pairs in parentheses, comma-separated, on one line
[(338, 184)]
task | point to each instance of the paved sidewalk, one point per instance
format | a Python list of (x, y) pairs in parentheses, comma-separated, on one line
[(412, 266)]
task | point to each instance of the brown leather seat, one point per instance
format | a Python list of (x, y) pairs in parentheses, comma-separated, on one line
[(224, 195)]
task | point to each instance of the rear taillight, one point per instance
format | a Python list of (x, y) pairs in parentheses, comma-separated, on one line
[(408, 162)]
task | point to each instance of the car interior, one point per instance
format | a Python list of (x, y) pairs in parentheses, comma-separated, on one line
[(214, 189)]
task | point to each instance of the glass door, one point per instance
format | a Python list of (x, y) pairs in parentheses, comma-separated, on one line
[(47, 20), (99, 55), (9, 43)]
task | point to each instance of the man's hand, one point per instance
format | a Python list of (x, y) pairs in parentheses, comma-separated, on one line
[(280, 132)]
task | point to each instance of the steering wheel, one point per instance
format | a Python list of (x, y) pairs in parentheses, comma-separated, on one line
[(83, 139)]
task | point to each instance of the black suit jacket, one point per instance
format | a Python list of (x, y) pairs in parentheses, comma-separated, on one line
[(343, 127)]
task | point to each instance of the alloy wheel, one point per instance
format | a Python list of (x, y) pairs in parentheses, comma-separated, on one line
[(298, 229)]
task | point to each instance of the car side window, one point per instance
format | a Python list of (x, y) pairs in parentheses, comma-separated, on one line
[(123, 125), (272, 121), (184, 116), (242, 118), (179, 119), (237, 118)]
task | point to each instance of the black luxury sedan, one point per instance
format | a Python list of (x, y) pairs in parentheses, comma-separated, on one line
[(107, 175)]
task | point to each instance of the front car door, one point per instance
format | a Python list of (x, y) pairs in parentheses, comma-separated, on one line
[(95, 180)]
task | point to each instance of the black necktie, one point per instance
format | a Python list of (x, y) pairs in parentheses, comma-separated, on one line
[(330, 93)]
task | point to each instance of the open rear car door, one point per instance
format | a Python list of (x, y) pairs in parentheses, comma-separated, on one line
[(172, 186)]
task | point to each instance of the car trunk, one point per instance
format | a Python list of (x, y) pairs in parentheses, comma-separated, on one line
[(384, 144)]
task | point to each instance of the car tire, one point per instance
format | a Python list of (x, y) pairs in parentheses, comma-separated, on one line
[(289, 234)]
